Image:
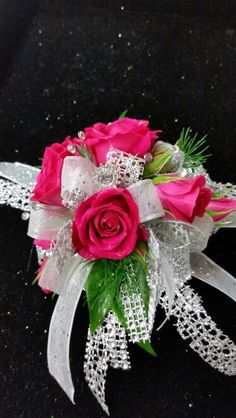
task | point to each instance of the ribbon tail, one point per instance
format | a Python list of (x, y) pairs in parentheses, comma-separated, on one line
[(61, 326), (206, 270), (200, 331), (169, 284), (107, 345), (22, 174)]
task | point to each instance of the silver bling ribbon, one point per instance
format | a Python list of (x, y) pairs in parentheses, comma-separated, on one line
[(107, 346)]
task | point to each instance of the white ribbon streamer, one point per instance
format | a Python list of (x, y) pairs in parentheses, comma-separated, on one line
[(22, 174), (61, 325), (204, 269)]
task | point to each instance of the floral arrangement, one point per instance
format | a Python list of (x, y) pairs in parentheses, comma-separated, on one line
[(124, 217)]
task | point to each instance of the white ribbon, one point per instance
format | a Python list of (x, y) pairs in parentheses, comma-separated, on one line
[(46, 220), (22, 174), (61, 325), (206, 270), (147, 200), (77, 177)]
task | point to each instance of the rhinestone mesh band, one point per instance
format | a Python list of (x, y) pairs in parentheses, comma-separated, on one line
[(14, 195), (108, 345), (196, 326)]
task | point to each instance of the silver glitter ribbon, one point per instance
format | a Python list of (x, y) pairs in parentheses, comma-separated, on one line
[(16, 182), (62, 322)]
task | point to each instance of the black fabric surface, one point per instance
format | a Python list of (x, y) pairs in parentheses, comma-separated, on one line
[(63, 66)]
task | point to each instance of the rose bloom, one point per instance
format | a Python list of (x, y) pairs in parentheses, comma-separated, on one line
[(48, 185), (129, 135), (185, 198), (220, 207), (106, 225)]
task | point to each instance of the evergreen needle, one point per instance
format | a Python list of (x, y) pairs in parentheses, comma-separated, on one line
[(194, 148)]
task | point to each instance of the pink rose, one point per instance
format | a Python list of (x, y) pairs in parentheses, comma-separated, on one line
[(220, 207), (129, 135), (48, 185), (185, 198), (106, 225)]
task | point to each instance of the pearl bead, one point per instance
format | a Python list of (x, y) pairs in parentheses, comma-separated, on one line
[(81, 135), (71, 148), (148, 157), (25, 216)]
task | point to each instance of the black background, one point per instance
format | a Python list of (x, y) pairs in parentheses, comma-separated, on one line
[(63, 66)]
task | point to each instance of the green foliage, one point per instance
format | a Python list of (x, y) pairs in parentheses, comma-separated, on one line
[(193, 148), (103, 289), (146, 345), (123, 114), (165, 179), (103, 286), (84, 152), (160, 163), (217, 213)]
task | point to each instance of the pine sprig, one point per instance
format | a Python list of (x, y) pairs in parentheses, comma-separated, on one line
[(194, 148)]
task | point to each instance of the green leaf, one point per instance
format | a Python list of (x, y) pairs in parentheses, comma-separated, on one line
[(222, 224), (35, 280), (123, 114), (216, 213), (101, 288), (169, 213), (165, 179), (84, 152), (146, 345)]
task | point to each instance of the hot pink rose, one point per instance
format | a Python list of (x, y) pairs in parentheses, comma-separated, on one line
[(220, 207), (106, 225), (48, 186), (129, 135), (185, 198)]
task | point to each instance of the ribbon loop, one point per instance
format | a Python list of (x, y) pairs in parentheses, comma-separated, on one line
[(76, 180), (147, 200), (46, 220)]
